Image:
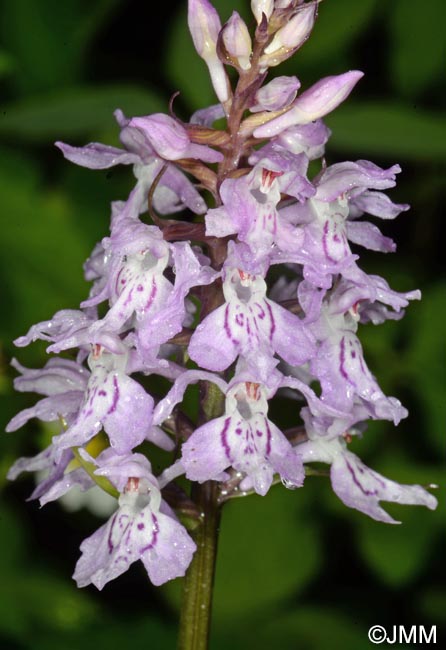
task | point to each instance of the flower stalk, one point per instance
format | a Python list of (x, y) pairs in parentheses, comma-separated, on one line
[(196, 607)]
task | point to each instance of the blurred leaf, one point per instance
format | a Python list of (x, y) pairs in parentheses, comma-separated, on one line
[(6, 63), (113, 634), (91, 192), (417, 51), (433, 604), (39, 232), (195, 86), (75, 112), (39, 600), (311, 628), (93, 19), (398, 554), (185, 70), (11, 540), (381, 352), (49, 38), (32, 601), (427, 360), (388, 130), (268, 550)]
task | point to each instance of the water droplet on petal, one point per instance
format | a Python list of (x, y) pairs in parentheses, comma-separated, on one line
[(288, 484)]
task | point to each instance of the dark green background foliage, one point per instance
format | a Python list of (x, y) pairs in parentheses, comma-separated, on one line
[(296, 569)]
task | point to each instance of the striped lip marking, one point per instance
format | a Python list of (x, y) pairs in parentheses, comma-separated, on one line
[(268, 177), (245, 276), (369, 493), (132, 484), (156, 530), (112, 408), (96, 351), (224, 439), (252, 390)]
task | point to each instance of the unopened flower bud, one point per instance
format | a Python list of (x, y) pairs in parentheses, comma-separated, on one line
[(259, 7), (237, 41), (290, 37), (317, 101), (170, 139), (277, 94), (284, 4), (204, 25)]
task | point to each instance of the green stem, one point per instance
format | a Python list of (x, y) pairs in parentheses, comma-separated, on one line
[(101, 481), (198, 584)]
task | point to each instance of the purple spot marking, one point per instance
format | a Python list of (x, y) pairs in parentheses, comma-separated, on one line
[(152, 294), (129, 298), (273, 322), (109, 540), (92, 395), (112, 408), (342, 369), (325, 243), (103, 393), (273, 217), (156, 530), (369, 493), (261, 313), (119, 280), (141, 526), (226, 323), (268, 439), (254, 316), (139, 287), (224, 440), (240, 319), (128, 530), (121, 521), (227, 328)]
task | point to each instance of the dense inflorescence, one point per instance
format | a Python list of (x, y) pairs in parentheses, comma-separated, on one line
[(253, 291)]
